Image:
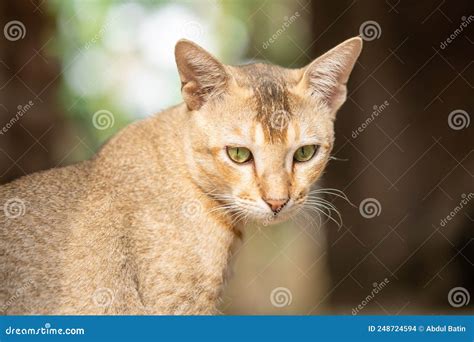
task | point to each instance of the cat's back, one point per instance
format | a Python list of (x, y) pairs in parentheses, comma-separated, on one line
[(36, 198), (33, 210)]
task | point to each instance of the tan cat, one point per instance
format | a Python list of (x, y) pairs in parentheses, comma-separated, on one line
[(147, 226)]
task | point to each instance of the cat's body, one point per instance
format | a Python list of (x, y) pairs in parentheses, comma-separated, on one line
[(123, 233), (147, 226)]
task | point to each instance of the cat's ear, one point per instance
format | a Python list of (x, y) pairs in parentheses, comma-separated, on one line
[(202, 75), (326, 77)]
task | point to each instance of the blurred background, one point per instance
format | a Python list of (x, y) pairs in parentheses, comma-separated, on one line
[(404, 139)]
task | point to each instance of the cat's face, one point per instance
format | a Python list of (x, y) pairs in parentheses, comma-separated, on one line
[(261, 135)]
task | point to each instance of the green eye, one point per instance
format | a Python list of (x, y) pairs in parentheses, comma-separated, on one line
[(305, 153), (239, 154)]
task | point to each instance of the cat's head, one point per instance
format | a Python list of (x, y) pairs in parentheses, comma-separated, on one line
[(260, 135)]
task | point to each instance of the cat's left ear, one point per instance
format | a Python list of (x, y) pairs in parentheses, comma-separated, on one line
[(326, 77), (202, 75)]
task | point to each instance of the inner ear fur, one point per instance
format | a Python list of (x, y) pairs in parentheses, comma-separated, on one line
[(202, 75), (325, 78)]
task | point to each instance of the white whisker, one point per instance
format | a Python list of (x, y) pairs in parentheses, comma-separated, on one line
[(328, 215)]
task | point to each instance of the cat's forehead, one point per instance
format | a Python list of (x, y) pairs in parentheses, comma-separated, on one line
[(261, 74), (271, 99)]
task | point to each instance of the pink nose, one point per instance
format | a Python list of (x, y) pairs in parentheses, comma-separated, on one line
[(276, 204)]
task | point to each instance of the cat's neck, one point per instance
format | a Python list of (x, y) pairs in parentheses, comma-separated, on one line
[(180, 246)]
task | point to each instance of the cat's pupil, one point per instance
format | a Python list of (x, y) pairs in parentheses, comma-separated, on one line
[(239, 154)]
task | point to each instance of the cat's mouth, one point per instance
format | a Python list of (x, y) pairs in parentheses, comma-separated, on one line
[(244, 210), (262, 214)]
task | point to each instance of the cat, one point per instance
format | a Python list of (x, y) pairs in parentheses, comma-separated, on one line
[(147, 226)]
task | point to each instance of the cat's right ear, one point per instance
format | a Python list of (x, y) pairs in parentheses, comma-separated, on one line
[(202, 75)]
